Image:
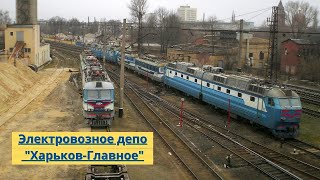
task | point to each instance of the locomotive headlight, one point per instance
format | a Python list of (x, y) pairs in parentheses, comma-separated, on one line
[(88, 107), (109, 107)]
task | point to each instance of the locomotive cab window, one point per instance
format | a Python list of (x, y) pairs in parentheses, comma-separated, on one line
[(252, 98), (270, 102), (295, 102)]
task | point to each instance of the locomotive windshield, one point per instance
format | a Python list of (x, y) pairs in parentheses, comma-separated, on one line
[(99, 94), (284, 102), (295, 102)]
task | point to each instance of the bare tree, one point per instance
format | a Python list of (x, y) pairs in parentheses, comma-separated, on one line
[(161, 14), (138, 9), (74, 25), (300, 16), (310, 68), (212, 21), (4, 17), (172, 30), (151, 29), (114, 27), (57, 24)]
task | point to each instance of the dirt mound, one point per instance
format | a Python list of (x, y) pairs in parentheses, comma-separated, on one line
[(14, 81), (64, 95)]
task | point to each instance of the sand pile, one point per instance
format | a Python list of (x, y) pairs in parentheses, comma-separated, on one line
[(14, 81)]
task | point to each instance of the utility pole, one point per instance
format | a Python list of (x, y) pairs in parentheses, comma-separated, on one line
[(273, 46), (240, 44), (123, 47)]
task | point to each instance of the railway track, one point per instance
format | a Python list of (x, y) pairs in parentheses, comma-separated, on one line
[(266, 160), (308, 148), (255, 154), (303, 88), (307, 95), (67, 48), (116, 172), (311, 112), (193, 161), (270, 162)]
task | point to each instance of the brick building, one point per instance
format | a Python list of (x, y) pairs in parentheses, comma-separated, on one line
[(295, 52)]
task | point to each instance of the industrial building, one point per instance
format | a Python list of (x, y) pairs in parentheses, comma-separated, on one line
[(295, 52), (22, 40)]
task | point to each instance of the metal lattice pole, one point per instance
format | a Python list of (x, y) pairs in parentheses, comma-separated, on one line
[(272, 68)]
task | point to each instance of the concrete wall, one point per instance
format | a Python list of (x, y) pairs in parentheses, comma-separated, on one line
[(43, 55), (253, 47), (197, 58)]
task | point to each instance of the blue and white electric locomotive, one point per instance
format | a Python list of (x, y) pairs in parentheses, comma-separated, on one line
[(152, 69), (276, 108)]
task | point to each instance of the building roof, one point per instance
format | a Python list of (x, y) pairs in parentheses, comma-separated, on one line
[(93, 85), (280, 5), (20, 26), (302, 41)]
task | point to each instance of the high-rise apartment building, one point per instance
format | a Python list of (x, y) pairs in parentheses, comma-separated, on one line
[(187, 14)]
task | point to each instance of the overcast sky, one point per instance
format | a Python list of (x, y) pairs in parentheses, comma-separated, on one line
[(117, 9)]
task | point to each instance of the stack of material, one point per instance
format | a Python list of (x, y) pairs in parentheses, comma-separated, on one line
[(14, 81)]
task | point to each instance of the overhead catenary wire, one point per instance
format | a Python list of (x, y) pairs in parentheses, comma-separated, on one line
[(258, 15), (264, 9)]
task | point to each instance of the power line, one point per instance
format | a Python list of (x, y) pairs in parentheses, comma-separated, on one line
[(257, 15), (268, 8)]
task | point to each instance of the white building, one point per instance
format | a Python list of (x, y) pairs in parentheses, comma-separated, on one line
[(187, 14)]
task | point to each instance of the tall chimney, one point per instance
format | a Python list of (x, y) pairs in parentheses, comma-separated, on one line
[(27, 12)]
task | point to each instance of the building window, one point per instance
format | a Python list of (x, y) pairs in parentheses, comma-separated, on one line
[(250, 54), (208, 84), (261, 55), (28, 50), (195, 80), (252, 98), (228, 91), (11, 49), (219, 88), (239, 94), (11, 33)]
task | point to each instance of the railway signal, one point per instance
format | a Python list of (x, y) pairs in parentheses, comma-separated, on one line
[(181, 112)]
